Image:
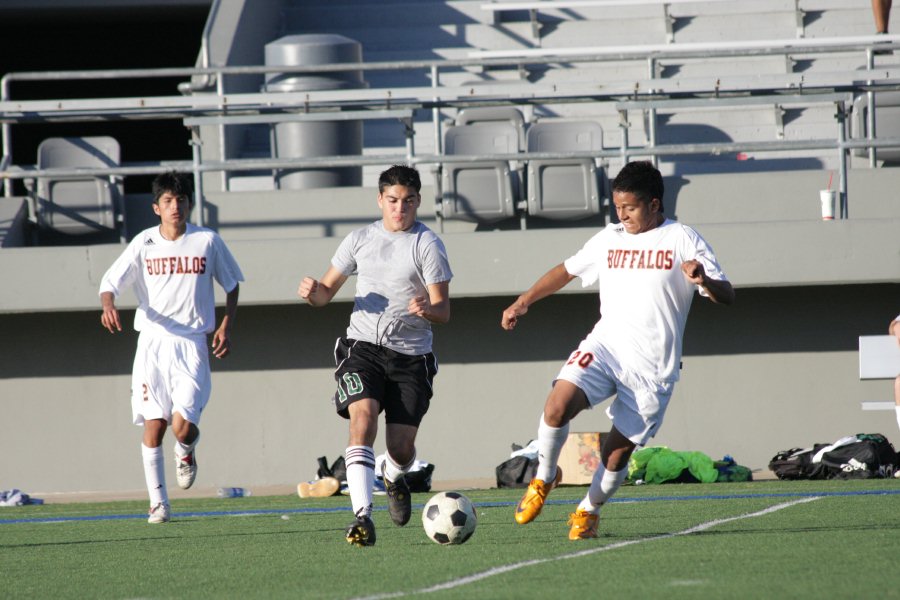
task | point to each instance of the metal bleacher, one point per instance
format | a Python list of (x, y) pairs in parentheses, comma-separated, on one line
[(708, 87)]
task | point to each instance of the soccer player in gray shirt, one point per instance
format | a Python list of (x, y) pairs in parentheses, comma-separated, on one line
[(385, 362)]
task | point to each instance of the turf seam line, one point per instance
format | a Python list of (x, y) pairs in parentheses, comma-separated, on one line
[(448, 585)]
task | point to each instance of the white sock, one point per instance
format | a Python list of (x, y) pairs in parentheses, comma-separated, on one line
[(360, 461), (603, 486), (897, 408), (394, 470), (155, 474), (550, 443), (182, 450)]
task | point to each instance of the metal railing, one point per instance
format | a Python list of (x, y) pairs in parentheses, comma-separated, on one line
[(647, 94)]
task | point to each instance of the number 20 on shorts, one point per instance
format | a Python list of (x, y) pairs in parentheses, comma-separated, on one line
[(582, 359)]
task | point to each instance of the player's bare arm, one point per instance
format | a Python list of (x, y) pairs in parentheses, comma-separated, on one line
[(720, 290), (320, 292), (894, 329), (110, 317), (550, 282), (221, 342), (436, 306)]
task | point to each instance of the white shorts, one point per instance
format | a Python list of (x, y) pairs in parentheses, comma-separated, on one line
[(640, 403), (170, 373)]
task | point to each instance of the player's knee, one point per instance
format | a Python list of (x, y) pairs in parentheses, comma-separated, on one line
[(563, 405)]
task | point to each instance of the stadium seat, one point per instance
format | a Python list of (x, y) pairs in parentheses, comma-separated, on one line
[(78, 205), (564, 188), (495, 114), (887, 123), (482, 191)]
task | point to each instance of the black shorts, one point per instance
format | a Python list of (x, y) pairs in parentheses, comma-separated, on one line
[(401, 383)]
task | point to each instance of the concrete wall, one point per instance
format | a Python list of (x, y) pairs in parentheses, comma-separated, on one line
[(778, 369)]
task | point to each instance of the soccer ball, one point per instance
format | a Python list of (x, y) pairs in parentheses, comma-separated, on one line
[(449, 518)]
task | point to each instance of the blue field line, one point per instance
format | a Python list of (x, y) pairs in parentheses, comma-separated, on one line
[(320, 510)]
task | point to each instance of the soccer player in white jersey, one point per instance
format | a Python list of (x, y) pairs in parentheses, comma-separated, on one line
[(894, 330), (647, 267), (171, 268), (385, 362)]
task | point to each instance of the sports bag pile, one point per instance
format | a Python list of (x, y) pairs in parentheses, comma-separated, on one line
[(861, 456)]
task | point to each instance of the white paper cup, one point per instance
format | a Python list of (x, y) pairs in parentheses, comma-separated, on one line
[(827, 198)]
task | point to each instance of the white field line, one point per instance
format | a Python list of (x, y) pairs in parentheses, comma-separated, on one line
[(455, 583)]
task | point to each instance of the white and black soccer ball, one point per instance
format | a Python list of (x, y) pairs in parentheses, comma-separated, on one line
[(449, 518)]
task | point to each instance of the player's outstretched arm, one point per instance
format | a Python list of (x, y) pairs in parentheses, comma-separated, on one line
[(894, 329), (320, 292), (549, 283), (110, 317), (720, 290), (435, 306), (221, 342)]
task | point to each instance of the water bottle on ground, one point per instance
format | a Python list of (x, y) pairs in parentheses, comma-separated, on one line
[(233, 492)]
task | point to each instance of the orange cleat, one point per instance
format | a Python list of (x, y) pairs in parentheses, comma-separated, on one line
[(532, 502), (583, 525)]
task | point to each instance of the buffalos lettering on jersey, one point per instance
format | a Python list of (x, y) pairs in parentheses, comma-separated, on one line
[(176, 265), (641, 259)]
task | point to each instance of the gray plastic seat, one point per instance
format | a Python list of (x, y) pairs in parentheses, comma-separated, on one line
[(495, 114), (483, 191), (78, 204), (564, 188), (887, 123)]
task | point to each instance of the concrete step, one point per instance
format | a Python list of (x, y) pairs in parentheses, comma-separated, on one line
[(302, 15)]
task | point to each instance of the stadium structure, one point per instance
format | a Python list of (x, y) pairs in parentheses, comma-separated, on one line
[(517, 114)]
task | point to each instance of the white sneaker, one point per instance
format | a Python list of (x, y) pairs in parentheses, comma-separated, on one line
[(186, 469), (159, 513)]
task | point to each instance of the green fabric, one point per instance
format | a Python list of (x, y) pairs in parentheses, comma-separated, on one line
[(659, 464)]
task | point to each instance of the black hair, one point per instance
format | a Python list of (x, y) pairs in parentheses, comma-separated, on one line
[(177, 184), (399, 175), (643, 180)]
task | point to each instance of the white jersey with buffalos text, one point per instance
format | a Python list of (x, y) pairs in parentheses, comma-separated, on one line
[(173, 280), (644, 296)]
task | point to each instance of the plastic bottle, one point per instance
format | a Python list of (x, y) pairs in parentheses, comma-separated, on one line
[(233, 492)]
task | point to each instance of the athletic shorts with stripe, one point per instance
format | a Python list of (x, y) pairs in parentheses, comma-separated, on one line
[(401, 383), (640, 403)]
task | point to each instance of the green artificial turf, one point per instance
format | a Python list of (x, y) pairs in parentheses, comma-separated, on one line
[(829, 539)]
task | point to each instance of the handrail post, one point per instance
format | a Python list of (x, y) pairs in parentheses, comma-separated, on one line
[(436, 112), (198, 176), (651, 114), (623, 124), (7, 139), (870, 112), (220, 92), (841, 117)]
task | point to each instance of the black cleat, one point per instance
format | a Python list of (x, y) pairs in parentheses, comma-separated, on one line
[(399, 502), (361, 532)]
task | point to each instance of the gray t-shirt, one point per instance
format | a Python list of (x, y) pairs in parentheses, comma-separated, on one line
[(391, 269)]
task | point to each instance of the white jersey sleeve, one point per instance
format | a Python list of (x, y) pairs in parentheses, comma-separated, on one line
[(173, 280), (125, 271)]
